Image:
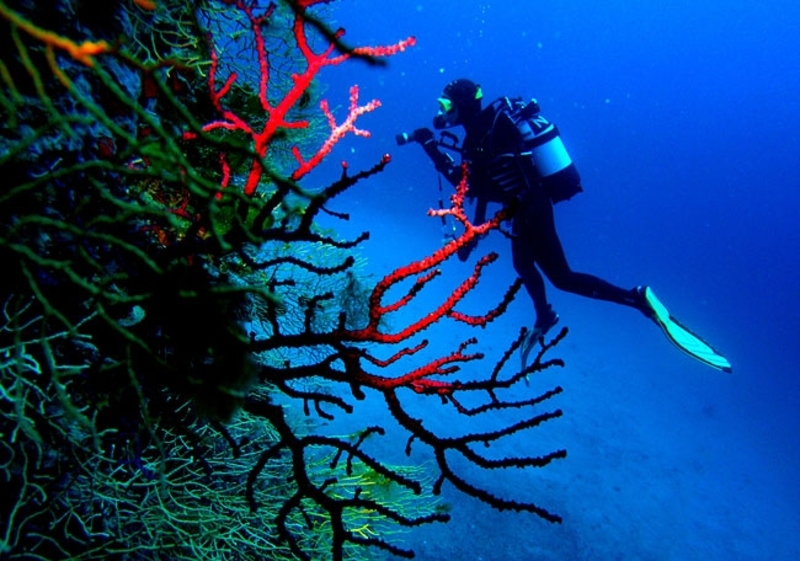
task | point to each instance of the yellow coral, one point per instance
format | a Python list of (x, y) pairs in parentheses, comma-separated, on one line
[(82, 52)]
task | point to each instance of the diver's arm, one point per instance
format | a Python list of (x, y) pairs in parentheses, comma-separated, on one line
[(442, 161), (480, 211)]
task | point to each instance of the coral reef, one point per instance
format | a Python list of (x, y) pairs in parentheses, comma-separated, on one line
[(172, 313)]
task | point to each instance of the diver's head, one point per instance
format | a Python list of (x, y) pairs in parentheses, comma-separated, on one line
[(460, 101)]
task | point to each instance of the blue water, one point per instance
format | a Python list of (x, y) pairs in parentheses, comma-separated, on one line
[(683, 120)]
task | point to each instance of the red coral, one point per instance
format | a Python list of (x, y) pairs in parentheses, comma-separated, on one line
[(276, 114), (420, 378)]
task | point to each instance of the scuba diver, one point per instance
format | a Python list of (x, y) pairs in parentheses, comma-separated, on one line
[(516, 158)]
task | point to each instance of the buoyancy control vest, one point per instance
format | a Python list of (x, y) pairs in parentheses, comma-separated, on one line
[(521, 149)]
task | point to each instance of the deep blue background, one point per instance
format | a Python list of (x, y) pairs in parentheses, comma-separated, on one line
[(683, 120)]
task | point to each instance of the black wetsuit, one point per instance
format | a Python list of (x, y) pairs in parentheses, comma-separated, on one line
[(499, 171)]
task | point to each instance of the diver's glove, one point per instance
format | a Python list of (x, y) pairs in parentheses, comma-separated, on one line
[(441, 161), (423, 135)]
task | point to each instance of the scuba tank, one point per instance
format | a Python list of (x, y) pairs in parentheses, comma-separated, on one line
[(541, 139)]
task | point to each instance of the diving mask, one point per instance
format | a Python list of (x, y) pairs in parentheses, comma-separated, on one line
[(448, 114)]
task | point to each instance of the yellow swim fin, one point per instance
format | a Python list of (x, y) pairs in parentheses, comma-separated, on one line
[(680, 336)]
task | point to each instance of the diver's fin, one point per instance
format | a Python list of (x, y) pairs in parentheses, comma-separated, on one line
[(680, 336)]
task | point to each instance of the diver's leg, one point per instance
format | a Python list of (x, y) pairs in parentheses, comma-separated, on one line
[(523, 257), (549, 256), (523, 253)]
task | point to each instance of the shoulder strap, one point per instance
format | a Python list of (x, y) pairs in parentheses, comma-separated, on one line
[(510, 108)]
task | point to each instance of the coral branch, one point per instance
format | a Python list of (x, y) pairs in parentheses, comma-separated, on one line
[(377, 310), (276, 119), (386, 50), (337, 132), (82, 52)]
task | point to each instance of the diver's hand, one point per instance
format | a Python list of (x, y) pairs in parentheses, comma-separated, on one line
[(423, 135)]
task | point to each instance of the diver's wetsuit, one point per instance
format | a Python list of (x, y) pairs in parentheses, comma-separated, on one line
[(535, 241), (515, 157)]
